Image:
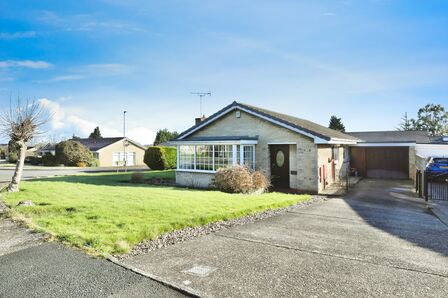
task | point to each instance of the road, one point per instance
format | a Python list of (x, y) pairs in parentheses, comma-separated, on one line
[(379, 241), (30, 267), (29, 173)]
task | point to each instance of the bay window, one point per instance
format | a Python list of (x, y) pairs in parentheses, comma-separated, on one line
[(186, 157), (210, 158)]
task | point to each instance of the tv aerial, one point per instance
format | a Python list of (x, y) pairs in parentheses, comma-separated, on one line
[(201, 95)]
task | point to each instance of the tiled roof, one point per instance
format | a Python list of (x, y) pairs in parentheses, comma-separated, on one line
[(97, 144), (294, 122), (419, 137)]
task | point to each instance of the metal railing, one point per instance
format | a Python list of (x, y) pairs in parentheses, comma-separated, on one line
[(432, 186)]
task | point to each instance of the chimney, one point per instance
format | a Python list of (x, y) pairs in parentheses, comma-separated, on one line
[(199, 120)]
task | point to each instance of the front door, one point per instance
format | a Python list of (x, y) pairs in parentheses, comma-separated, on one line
[(279, 166)]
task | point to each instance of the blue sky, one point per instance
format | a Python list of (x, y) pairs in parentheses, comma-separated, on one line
[(367, 61)]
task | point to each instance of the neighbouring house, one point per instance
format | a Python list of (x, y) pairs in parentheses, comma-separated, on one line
[(115, 151), (294, 152), (392, 154), (108, 151), (31, 151), (48, 148)]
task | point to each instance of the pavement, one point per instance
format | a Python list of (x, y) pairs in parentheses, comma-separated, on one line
[(30, 267), (379, 240)]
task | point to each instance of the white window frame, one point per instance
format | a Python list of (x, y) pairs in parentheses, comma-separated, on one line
[(234, 155)]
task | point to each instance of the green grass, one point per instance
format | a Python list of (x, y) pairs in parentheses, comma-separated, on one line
[(104, 213)]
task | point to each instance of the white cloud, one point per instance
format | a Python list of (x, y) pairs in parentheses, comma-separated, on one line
[(91, 71), (56, 112), (142, 135), (329, 14), (66, 123), (87, 23), (65, 78), (25, 64), (17, 35)]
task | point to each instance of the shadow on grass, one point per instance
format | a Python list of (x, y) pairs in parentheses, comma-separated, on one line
[(393, 207), (111, 179)]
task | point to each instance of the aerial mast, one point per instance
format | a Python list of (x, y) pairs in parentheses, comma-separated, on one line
[(201, 95)]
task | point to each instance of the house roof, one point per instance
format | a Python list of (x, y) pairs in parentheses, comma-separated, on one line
[(98, 144), (419, 137), (298, 125), (48, 146)]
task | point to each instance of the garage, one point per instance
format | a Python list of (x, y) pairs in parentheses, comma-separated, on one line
[(381, 162)]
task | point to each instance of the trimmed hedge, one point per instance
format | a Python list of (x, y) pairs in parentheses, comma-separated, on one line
[(160, 158)]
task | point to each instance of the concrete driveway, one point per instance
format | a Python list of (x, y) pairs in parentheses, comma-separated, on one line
[(378, 241)]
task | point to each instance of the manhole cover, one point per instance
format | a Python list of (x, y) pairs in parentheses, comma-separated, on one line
[(200, 270)]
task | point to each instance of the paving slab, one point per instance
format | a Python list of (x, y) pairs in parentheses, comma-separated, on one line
[(378, 241), (14, 238)]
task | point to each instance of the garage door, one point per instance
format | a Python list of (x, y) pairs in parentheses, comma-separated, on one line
[(387, 162)]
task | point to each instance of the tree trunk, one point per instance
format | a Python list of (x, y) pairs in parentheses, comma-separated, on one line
[(14, 185)]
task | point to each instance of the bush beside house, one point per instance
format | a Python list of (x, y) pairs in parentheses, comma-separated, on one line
[(160, 158), (240, 179)]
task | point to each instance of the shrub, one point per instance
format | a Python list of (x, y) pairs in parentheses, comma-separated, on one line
[(160, 158), (137, 177), (260, 181), (49, 159), (94, 162), (81, 164), (240, 179), (34, 160), (72, 153), (13, 157)]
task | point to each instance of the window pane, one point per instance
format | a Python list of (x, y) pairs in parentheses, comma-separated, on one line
[(223, 156), (186, 157), (204, 157), (248, 155)]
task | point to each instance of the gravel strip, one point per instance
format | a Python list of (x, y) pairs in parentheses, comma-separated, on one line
[(189, 233)]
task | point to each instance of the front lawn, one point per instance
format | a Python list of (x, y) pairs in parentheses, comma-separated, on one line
[(104, 213)]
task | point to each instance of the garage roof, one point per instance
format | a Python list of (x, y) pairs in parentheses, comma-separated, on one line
[(419, 137)]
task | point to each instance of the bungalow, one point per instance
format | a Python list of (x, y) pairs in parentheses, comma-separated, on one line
[(294, 152), (109, 151), (115, 151)]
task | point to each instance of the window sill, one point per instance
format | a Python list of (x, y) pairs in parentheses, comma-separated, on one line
[(195, 171)]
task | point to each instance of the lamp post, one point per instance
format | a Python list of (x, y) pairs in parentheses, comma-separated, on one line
[(124, 140)]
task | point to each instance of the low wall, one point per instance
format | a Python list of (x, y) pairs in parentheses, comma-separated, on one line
[(194, 179)]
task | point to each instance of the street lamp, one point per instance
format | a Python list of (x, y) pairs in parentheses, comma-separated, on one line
[(124, 140)]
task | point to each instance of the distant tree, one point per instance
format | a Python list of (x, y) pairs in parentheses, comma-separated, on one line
[(406, 123), (21, 123), (96, 134), (75, 137), (431, 118), (336, 124), (164, 135)]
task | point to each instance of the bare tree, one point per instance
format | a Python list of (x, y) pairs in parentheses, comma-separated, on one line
[(21, 123)]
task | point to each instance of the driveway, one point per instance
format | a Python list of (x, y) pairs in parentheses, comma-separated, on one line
[(378, 241), (30, 267)]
